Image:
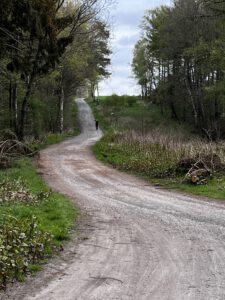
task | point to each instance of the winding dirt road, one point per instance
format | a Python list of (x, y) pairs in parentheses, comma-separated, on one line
[(140, 243)]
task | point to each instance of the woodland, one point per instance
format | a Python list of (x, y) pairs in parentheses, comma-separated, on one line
[(179, 62), (49, 51)]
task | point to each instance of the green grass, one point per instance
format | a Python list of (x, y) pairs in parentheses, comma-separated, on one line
[(56, 215), (215, 188), (40, 224), (151, 159), (113, 112), (121, 151)]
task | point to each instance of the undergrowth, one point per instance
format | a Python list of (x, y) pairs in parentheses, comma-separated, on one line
[(33, 220), (71, 129), (145, 143)]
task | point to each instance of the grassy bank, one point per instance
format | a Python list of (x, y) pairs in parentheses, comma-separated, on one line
[(34, 221), (124, 113), (143, 142), (56, 213)]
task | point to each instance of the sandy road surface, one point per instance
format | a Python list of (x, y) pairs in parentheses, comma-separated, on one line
[(143, 243)]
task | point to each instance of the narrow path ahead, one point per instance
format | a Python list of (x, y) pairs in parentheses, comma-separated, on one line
[(144, 243)]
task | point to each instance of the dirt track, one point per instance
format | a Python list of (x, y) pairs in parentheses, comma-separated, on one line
[(143, 243)]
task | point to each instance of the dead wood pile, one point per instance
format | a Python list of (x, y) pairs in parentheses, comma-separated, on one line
[(201, 168), (10, 148)]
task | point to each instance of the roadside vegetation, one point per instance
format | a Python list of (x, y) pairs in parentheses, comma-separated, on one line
[(34, 221), (174, 136), (140, 141), (50, 52), (56, 50)]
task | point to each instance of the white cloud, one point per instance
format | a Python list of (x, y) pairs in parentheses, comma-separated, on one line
[(127, 17), (120, 86)]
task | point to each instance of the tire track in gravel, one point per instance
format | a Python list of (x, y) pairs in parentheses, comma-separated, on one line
[(139, 242)]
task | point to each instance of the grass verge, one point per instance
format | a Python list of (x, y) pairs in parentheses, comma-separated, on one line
[(56, 215), (145, 143), (33, 221)]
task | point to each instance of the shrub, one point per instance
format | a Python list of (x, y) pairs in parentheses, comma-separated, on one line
[(16, 191), (21, 244)]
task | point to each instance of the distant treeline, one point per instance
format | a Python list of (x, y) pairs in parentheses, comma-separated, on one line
[(179, 62)]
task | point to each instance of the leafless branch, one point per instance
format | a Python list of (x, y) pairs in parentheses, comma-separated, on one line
[(8, 33)]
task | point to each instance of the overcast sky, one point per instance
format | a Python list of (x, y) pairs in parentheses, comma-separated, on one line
[(127, 16)]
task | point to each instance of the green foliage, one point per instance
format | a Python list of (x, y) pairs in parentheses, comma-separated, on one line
[(130, 154), (48, 50), (33, 220), (117, 113), (21, 243), (154, 153), (179, 63), (16, 191), (114, 111)]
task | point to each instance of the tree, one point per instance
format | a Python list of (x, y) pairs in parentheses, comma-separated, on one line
[(35, 35), (185, 42)]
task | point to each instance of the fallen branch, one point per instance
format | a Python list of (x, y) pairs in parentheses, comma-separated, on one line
[(12, 148)]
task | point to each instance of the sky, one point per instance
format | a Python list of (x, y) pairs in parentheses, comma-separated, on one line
[(126, 16)]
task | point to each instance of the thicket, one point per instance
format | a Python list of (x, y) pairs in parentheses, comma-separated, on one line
[(21, 241), (179, 63)]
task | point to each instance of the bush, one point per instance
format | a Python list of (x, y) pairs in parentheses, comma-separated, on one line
[(33, 221), (16, 191), (21, 244)]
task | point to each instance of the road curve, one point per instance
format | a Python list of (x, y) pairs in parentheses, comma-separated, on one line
[(144, 243)]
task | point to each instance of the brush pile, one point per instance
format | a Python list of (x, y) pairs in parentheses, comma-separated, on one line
[(201, 168), (11, 147)]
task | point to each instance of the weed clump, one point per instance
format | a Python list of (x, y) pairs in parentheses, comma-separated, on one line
[(21, 241), (21, 244), (17, 191)]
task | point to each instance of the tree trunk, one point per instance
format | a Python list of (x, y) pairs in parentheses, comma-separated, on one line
[(10, 104), (93, 91), (14, 107), (61, 109), (23, 114), (188, 83)]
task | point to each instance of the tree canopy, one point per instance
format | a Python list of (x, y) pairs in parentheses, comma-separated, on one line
[(179, 62), (47, 47)]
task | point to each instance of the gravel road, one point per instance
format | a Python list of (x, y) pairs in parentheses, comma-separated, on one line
[(139, 243)]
